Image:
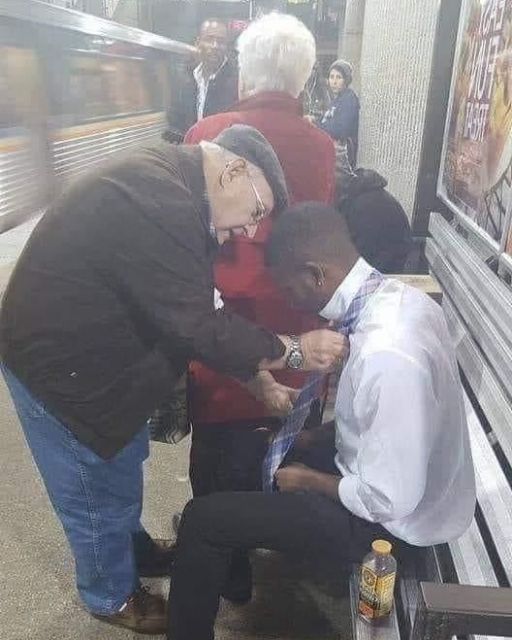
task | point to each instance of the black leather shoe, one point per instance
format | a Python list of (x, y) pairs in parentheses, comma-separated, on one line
[(176, 520), (158, 561), (238, 587)]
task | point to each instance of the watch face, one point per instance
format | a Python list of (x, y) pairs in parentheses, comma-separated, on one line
[(295, 360)]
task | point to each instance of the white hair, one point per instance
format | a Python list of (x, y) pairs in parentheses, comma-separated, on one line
[(276, 53)]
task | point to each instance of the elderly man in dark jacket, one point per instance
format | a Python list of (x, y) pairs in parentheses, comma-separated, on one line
[(111, 298)]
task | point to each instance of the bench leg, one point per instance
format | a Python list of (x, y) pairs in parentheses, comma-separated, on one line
[(430, 625), (446, 610)]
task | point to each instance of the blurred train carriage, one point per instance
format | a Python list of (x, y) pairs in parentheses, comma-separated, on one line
[(74, 89)]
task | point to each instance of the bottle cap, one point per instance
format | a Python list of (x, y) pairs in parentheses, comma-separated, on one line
[(382, 546)]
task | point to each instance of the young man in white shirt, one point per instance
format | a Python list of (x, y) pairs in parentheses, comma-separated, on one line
[(403, 466)]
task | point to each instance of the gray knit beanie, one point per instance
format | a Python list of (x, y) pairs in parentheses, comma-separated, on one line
[(345, 68), (247, 142)]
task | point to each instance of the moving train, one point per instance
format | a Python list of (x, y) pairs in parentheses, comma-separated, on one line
[(74, 91)]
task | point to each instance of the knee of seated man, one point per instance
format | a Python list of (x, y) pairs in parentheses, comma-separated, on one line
[(201, 515)]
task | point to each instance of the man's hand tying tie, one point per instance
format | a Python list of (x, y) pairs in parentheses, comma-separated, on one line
[(324, 350), (277, 398)]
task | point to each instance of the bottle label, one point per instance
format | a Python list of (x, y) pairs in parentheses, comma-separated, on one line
[(375, 594)]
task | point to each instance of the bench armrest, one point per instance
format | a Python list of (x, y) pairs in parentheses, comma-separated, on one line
[(445, 610)]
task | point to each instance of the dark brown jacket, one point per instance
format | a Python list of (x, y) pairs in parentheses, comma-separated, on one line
[(113, 295)]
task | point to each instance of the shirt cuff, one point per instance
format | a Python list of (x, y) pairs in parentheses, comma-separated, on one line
[(218, 302), (347, 492)]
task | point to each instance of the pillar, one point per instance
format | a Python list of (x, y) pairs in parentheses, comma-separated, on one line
[(351, 40)]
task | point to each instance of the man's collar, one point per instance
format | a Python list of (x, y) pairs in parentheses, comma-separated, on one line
[(274, 100), (198, 72), (337, 306)]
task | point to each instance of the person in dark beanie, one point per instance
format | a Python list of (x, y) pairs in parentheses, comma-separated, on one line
[(376, 221), (110, 300), (341, 120)]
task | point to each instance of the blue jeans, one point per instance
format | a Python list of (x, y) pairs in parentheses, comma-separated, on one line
[(99, 502)]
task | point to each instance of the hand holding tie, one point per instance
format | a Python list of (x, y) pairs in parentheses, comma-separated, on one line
[(277, 398), (324, 350)]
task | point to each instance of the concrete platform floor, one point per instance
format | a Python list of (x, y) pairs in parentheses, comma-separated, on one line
[(38, 600)]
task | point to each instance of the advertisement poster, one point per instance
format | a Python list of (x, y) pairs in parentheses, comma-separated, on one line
[(476, 169)]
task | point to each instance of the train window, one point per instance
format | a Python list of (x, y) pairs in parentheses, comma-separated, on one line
[(87, 96), (129, 84), (20, 96), (97, 86), (158, 79), (9, 116)]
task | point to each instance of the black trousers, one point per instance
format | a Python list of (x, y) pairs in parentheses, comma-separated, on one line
[(227, 456), (212, 527)]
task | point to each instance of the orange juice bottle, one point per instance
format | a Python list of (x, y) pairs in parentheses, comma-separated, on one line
[(377, 582)]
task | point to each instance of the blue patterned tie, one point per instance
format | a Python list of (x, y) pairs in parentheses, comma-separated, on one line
[(293, 424)]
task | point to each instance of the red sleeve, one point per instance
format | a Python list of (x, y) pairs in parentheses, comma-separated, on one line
[(329, 172), (193, 135), (209, 128)]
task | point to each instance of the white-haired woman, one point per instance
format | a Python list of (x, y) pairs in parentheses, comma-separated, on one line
[(230, 429)]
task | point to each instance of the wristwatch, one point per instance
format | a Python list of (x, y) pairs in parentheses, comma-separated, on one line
[(295, 358)]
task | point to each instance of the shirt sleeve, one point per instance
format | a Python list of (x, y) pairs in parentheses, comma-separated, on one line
[(395, 407), (181, 113), (193, 136), (328, 174)]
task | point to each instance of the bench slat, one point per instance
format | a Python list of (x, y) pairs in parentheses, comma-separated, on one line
[(471, 560), (491, 342), (482, 381), (482, 298), (492, 294), (481, 243), (505, 265), (493, 491), (496, 348), (478, 310)]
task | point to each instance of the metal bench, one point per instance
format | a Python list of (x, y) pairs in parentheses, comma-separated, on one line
[(464, 588)]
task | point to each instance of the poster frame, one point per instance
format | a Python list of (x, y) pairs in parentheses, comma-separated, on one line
[(508, 230), (494, 245)]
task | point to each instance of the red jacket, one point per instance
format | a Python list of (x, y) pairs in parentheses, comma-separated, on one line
[(307, 157)]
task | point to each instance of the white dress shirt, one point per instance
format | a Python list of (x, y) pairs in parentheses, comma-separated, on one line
[(202, 86), (401, 434)]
